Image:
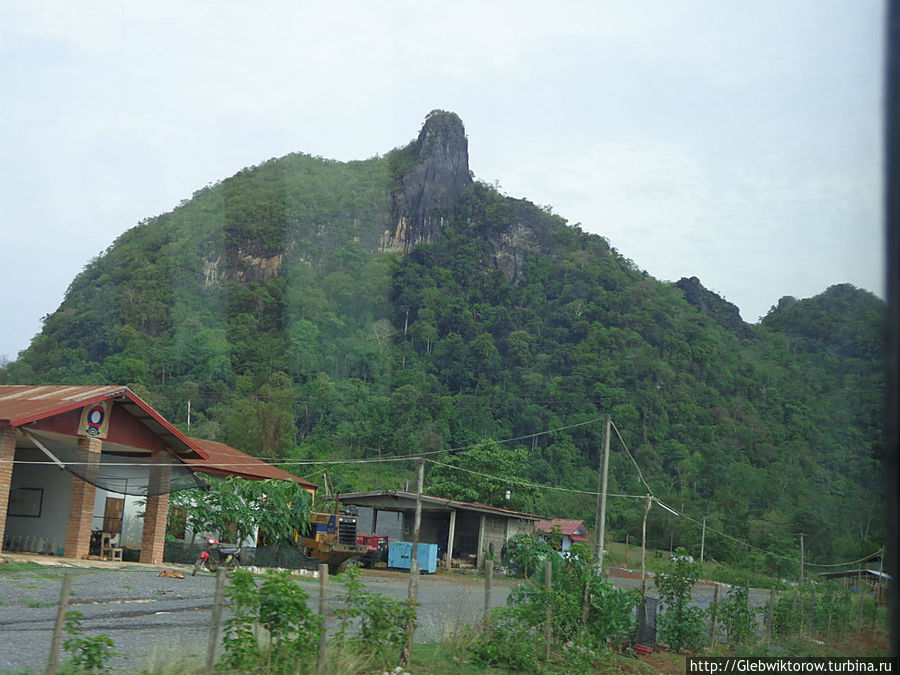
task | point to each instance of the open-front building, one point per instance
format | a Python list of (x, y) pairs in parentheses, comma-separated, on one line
[(464, 532), (75, 459)]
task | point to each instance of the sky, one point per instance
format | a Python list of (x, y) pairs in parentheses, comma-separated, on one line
[(738, 142)]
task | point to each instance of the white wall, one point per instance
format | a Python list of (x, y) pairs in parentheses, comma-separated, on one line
[(57, 495)]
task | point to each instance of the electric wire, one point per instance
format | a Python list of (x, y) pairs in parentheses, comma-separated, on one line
[(633, 461), (425, 456), (525, 483)]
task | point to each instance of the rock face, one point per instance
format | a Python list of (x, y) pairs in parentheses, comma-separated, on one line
[(427, 191), (720, 310)]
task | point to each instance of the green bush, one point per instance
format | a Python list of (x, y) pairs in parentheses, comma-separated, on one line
[(680, 626), (506, 641), (86, 654), (382, 621), (585, 612), (738, 616), (526, 553), (290, 629)]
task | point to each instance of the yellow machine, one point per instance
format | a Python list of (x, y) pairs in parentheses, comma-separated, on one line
[(331, 540)]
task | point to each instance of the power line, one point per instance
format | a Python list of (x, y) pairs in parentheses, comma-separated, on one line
[(625, 445), (525, 483)]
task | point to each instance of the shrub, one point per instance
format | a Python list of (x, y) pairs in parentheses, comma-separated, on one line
[(525, 554), (382, 621), (738, 616), (87, 654), (279, 607), (680, 626), (585, 609)]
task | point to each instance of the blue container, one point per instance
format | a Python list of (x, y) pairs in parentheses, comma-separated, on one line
[(400, 556)]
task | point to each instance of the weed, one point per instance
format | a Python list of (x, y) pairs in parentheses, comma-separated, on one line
[(35, 604), (382, 621), (87, 654), (279, 607)]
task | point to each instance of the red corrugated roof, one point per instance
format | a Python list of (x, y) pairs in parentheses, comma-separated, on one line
[(564, 525), (223, 459), (23, 404)]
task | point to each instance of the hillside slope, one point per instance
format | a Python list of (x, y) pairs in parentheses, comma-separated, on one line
[(314, 309)]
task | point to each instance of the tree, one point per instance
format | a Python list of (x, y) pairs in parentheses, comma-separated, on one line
[(484, 474), (279, 507)]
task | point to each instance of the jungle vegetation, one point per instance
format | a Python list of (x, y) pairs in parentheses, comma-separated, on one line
[(271, 302)]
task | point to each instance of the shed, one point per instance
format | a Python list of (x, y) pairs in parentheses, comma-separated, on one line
[(464, 532)]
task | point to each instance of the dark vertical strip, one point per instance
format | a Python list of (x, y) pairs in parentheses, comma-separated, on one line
[(892, 218)]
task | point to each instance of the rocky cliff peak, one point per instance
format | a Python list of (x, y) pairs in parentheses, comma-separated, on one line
[(436, 179), (720, 310)]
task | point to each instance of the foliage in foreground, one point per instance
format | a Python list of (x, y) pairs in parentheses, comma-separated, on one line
[(289, 628), (681, 626), (382, 621), (86, 654), (273, 630), (581, 609)]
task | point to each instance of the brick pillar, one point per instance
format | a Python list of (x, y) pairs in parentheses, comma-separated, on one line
[(81, 508), (156, 513), (7, 454)]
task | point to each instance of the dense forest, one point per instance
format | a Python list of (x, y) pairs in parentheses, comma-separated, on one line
[(309, 309)]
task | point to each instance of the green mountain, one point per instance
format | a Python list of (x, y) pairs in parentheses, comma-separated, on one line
[(307, 308)]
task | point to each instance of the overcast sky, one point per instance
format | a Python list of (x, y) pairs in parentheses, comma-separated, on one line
[(739, 142)]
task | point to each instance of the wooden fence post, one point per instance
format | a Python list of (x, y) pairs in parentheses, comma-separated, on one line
[(64, 594), (406, 651), (811, 621), (548, 585), (715, 609), (488, 582), (321, 662), (218, 601)]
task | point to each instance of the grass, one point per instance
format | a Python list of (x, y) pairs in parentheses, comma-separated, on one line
[(12, 568), (37, 603), (657, 561)]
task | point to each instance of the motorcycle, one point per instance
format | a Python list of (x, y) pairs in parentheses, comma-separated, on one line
[(217, 554)]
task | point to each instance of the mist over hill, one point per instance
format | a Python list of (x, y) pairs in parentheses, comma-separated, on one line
[(314, 309)]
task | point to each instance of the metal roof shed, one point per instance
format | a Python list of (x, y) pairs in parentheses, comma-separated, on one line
[(467, 530)]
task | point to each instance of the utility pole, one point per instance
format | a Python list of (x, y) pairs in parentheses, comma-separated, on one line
[(644, 550), (601, 497), (189, 415), (703, 539), (406, 654), (801, 559)]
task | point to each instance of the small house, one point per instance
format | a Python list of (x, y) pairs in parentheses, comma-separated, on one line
[(571, 531)]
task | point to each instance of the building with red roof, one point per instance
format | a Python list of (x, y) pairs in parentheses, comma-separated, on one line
[(74, 459), (571, 530)]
